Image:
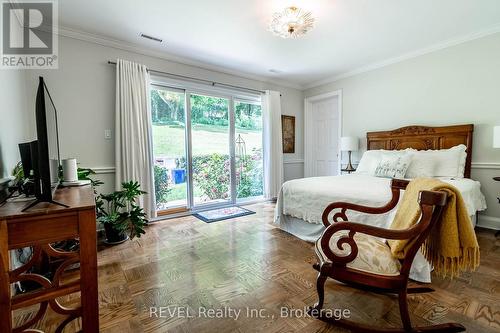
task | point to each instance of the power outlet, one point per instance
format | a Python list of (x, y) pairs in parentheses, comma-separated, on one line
[(107, 134)]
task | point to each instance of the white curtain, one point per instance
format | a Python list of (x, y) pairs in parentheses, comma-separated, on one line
[(133, 149), (273, 147)]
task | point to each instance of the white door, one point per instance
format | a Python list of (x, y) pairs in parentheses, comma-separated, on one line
[(322, 136)]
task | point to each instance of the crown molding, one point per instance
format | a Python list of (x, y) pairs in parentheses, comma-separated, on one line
[(130, 47), (417, 53)]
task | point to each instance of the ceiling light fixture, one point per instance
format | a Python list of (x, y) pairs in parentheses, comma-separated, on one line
[(292, 22)]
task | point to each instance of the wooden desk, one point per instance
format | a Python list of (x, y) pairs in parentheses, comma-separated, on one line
[(38, 228)]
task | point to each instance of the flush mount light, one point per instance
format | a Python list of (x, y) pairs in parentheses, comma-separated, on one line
[(292, 22)]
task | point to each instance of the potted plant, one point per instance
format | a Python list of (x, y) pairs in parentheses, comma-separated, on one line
[(84, 174), (121, 216)]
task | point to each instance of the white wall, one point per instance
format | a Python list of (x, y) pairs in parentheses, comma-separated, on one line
[(13, 116), (457, 85), (83, 89)]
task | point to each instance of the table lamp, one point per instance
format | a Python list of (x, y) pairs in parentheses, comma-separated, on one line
[(349, 144), (496, 144)]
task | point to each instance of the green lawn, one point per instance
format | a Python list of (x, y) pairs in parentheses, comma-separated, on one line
[(179, 192), (169, 141)]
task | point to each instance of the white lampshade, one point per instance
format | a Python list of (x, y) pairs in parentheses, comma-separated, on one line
[(349, 143), (496, 137)]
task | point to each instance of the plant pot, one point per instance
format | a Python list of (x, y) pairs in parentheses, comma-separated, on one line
[(113, 236)]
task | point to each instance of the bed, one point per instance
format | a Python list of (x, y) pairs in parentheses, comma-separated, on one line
[(302, 201)]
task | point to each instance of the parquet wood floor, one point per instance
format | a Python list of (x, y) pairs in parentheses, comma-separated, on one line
[(249, 263)]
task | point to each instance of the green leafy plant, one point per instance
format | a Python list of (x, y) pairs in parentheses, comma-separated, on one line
[(249, 175), (162, 189), (119, 209), (19, 177), (211, 175), (18, 173), (85, 173)]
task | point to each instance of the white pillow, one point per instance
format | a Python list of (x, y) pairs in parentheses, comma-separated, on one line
[(371, 159), (394, 166), (438, 163)]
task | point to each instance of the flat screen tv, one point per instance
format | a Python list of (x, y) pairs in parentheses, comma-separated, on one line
[(45, 153)]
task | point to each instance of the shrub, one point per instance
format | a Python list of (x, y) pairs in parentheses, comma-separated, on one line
[(249, 175), (161, 184), (211, 174)]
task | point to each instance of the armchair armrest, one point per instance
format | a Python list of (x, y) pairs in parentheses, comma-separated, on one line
[(396, 186), (427, 201)]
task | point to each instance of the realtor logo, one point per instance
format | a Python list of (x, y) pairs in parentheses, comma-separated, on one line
[(29, 35)]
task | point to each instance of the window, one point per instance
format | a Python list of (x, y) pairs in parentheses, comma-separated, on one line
[(207, 148)]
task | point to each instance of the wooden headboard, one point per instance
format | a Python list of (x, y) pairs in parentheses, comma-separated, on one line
[(423, 138)]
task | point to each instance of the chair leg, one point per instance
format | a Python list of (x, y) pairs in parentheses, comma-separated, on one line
[(403, 309), (320, 288)]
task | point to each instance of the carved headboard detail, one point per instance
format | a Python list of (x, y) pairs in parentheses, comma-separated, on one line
[(423, 138)]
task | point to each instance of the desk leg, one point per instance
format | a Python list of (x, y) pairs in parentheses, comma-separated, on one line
[(88, 271), (5, 312)]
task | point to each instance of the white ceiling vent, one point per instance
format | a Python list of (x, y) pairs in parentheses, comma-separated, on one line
[(156, 39)]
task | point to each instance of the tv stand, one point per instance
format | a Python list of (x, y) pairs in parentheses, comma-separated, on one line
[(37, 201), (40, 229)]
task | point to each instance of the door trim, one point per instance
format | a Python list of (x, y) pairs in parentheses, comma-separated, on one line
[(308, 102)]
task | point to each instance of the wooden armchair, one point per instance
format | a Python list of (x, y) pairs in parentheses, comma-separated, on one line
[(352, 265)]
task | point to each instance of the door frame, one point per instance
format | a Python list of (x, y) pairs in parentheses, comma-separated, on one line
[(308, 104), (233, 97)]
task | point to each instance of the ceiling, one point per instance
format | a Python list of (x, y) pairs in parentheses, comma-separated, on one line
[(232, 34)]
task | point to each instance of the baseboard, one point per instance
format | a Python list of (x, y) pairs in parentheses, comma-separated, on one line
[(488, 222)]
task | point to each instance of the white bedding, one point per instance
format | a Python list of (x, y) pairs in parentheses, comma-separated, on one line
[(306, 198), (302, 201)]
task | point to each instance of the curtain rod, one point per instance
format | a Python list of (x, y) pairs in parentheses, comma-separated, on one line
[(212, 83)]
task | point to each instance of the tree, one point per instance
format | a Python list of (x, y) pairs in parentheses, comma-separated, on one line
[(167, 106)]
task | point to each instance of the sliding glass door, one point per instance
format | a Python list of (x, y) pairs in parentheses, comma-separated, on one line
[(210, 149), (168, 112), (248, 150), (207, 149)]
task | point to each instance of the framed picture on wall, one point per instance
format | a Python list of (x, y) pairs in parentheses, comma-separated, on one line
[(288, 133)]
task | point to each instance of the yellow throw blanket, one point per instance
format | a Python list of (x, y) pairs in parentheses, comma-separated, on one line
[(452, 244)]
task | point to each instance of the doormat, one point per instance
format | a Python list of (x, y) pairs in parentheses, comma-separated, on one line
[(219, 214)]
